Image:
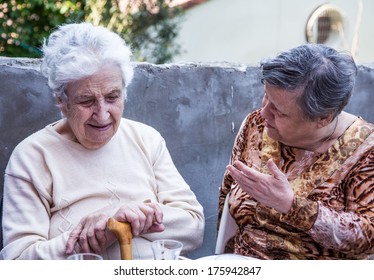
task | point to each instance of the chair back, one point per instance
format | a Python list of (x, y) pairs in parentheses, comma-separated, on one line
[(1, 223), (227, 228)]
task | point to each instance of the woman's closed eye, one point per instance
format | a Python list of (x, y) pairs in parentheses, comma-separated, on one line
[(112, 98), (280, 114), (87, 102)]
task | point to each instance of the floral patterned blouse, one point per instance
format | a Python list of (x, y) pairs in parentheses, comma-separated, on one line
[(332, 215)]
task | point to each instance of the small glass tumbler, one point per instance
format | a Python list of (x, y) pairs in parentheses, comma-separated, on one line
[(85, 256), (166, 249)]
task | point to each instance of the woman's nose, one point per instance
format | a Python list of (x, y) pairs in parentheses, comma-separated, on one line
[(101, 112), (265, 109)]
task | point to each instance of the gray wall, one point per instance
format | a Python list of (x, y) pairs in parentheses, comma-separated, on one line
[(198, 108)]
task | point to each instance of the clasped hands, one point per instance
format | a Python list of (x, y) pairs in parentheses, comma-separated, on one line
[(92, 236), (272, 190)]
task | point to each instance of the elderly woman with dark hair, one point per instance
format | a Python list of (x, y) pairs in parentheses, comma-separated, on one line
[(300, 183), (65, 181)]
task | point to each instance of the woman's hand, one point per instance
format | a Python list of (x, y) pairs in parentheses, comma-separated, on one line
[(92, 235), (271, 190), (144, 217)]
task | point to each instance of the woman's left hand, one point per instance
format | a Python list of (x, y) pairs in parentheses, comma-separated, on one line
[(91, 234), (271, 190)]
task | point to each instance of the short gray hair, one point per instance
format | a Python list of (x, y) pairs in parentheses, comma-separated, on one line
[(325, 76), (78, 50)]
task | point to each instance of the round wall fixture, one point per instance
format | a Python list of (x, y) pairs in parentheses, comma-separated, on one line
[(325, 26)]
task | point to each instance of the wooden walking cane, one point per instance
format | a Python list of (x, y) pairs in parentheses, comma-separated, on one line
[(124, 235)]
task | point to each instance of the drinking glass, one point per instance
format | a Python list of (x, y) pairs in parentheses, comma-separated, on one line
[(166, 249), (85, 256)]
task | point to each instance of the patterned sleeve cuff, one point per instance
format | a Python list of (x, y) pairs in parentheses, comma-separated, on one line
[(302, 215)]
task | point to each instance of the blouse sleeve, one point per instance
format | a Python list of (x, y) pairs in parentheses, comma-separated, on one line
[(351, 231)]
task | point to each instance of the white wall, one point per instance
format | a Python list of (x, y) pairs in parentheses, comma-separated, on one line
[(246, 31)]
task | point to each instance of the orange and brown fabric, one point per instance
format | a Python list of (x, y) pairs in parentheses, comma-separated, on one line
[(332, 216)]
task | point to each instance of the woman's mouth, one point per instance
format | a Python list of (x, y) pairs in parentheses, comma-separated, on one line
[(100, 127), (268, 125)]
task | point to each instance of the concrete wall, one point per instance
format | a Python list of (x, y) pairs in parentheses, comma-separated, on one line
[(198, 108)]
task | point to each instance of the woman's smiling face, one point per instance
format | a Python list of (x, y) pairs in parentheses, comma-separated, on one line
[(94, 107)]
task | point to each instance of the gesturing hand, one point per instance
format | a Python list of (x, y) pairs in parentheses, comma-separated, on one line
[(271, 190)]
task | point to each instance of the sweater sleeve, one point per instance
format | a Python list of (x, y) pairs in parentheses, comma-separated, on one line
[(183, 214), (28, 200), (29, 211)]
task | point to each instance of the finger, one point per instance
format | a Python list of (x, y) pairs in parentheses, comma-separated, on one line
[(93, 243), (83, 241), (125, 214), (249, 171), (148, 212), (234, 172), (133, 218), (158, 215), (73, 238), (156, 228), (101, 231), (273, 168), (70, 245), (253, 173), (238, 175), (144, 215), (77, 248)]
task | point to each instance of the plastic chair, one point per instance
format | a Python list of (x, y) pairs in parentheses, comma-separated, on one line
[(122, 230), (227, 228), (1, 223)]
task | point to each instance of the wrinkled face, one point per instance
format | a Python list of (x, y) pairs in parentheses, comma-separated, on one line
[(94, 107), (284, 120)]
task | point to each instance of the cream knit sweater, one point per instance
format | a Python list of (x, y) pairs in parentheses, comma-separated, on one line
[(51, 183)]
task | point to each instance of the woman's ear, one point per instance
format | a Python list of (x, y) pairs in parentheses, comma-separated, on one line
[(326, 120), (61, 105)]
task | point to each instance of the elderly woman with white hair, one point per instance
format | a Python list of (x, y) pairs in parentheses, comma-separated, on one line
[(63, 182)]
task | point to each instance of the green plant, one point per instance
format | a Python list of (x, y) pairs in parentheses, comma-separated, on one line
[(24, 23), (150, 26)]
